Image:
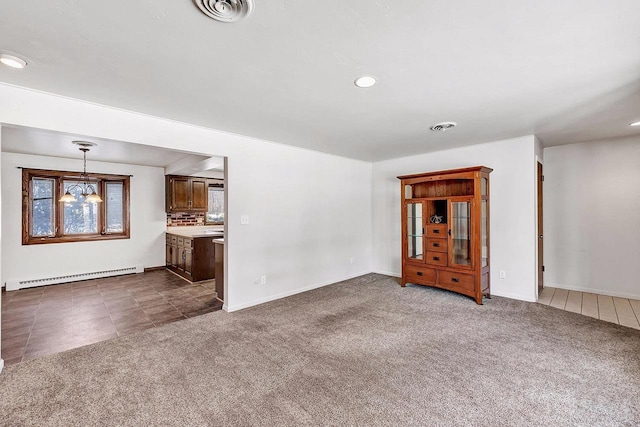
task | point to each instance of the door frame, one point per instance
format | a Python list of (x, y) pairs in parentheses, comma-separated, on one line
[(539, 226)]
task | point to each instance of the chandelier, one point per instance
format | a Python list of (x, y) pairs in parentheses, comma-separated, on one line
[(88, 190)]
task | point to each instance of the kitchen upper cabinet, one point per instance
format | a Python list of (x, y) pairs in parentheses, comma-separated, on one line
[(199, 193), (186, 194)]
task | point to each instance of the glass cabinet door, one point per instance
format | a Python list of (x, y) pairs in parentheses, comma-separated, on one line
[(414, 231), (461, 233), (484, 226)]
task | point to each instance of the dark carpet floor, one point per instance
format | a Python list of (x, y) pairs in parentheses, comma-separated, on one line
[(360, 352)]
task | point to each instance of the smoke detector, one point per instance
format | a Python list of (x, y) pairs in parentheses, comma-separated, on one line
[(441, 127), (225, 10)]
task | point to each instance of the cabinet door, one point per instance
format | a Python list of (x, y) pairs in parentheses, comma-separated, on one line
[(199, 192), (414, 232), (179, 194), (181, 257), (188, 264), (460, 238), (168, 255), (174, 255)]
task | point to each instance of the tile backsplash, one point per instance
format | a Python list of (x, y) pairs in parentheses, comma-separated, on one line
[(185, 218)]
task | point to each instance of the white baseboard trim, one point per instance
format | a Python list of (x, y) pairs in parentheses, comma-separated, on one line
[(1, 365), (388, 273), (594, 291), (513, 296), (293, 292)]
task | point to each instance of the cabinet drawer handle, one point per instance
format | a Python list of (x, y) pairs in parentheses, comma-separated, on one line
[(455, 279), (436, 245), (436, 231), (419, 273), (436, 258)]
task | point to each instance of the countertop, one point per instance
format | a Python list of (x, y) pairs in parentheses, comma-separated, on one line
[(215, 231), (220, 241)]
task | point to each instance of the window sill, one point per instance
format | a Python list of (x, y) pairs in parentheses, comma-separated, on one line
[(71, 239)]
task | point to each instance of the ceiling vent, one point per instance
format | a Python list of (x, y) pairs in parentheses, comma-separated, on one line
[(441, 127), (225, 10)]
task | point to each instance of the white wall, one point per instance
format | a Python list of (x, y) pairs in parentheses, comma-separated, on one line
[(146, 246), (592, 217), (513, 213), (309, 212)]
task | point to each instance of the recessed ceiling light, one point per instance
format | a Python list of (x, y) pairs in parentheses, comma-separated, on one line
[(12, 61), (635, 124), (365, 81), (441, 127)]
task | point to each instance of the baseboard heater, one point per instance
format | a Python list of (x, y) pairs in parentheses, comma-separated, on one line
[(14, 285)]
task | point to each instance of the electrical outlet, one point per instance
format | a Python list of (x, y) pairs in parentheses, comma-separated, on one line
[(263, 280), (244, 219), (503, 274)]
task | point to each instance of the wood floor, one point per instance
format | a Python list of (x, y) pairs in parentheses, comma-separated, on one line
[(622, 311), (51, 319)]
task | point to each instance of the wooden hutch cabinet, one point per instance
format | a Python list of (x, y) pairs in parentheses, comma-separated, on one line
[(445, 230)]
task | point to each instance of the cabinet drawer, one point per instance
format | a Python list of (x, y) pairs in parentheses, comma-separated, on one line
[(437, 231), (456, 280), (419, 275), (180, 241), (437, 245), (436, 258), (172, 238), (188, 243)]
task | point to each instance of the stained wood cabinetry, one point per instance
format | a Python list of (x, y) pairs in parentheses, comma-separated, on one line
[(219, 266), (445, 230), (186, 194), (191, 257)]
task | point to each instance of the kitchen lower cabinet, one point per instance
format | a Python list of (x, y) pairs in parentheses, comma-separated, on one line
[(191, 257), (219, 265)]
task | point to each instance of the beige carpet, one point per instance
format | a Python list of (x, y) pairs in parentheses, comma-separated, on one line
[(361, 352)]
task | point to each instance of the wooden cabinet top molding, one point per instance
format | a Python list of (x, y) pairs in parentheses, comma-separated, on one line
[(449, 173)]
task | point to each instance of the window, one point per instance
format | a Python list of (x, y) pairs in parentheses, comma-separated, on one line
[(46, 220), (215, 203)]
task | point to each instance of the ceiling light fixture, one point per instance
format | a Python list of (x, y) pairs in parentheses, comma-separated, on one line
[(635, 123), (12, 61), (87, 190), (365, 81)]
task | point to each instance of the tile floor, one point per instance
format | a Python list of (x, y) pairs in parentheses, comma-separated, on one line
[(623, 311), (50, 319)]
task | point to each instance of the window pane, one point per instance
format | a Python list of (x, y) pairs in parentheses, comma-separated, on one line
[(42, 207), (80, 217), (114, 206), (215, 212)]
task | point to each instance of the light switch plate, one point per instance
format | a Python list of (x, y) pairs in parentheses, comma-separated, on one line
[(244, 219)]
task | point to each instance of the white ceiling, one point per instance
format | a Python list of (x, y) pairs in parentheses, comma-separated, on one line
[(54, 144), (566, 70)]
